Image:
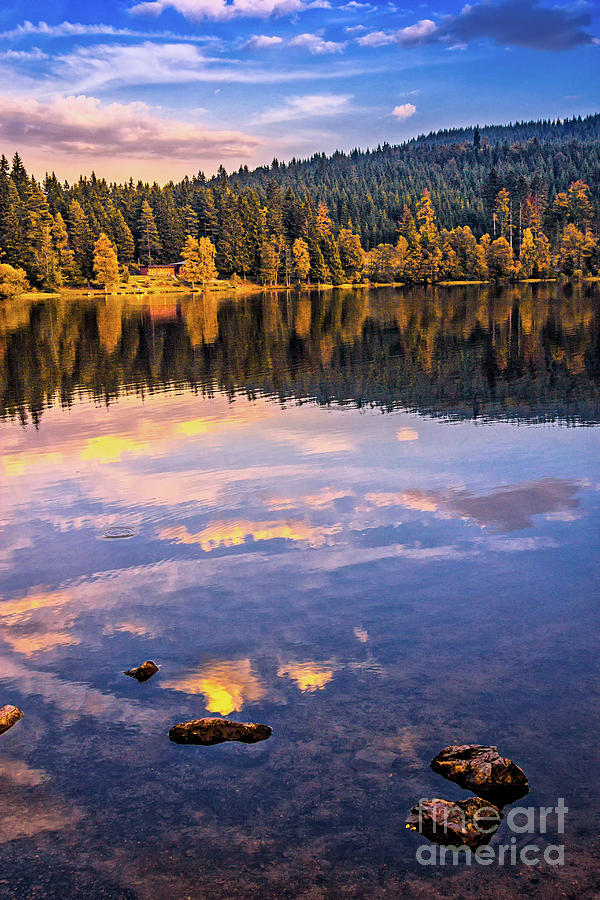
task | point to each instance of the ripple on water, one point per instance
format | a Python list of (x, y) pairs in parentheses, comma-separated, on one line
[(118, 533)]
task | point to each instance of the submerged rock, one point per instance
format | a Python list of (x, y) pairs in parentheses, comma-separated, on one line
[(466, 823), (218, 731), (143, 672), (482, 770), (9, 716)]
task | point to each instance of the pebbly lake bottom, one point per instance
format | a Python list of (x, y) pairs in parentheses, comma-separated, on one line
[(373, 585)]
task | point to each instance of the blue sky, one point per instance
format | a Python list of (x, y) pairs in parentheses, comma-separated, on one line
[(162, 88)]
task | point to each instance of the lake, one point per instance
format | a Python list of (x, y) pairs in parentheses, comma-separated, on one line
[(369, 519)]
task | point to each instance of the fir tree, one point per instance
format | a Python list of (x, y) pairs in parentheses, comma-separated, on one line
[(269, 261), (148, 239)]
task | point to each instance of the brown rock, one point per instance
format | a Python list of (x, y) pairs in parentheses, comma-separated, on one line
[(143, 672), (466, 823), (217, 731), (482, 770), (9, 716)]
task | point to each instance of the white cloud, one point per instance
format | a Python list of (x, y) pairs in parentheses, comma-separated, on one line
[(417, 33), (263, 41), (404, 111), (85, 127), (24, 55), (146, 63), (309, 106), (221, 10), (411, 36), (76, 29), (94, 68), (316, 45), (377, 39)]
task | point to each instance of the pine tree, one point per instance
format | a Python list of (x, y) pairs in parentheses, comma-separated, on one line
[(190, 220), (122, 236), (580, 209), (12, 226), (502, 214), (148, 239), (269, 261), (231, 236), (81, 239), (65, 256), (37, 250), (4, 198), (18, 173)]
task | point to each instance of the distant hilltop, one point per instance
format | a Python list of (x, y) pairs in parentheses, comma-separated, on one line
[(460, 167)]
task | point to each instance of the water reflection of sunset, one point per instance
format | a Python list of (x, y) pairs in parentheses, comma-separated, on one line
[(32, 644), (308, 676), (226, 686), (232, 534), (36, 600), (169, 421), (294, 563)]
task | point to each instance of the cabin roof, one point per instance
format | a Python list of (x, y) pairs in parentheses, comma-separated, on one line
[(169, 265)]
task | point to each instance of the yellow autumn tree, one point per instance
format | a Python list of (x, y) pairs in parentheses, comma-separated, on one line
[(352, 255), (13, 282), (300, 260), (500, 259), (106, 264), (502, 213), (199, 265), (575, 250), (426, 259)]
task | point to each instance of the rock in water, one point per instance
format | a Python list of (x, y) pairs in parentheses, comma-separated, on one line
[(218, 731), (143, 672), (467, 823), (482, 770), (9, 716)]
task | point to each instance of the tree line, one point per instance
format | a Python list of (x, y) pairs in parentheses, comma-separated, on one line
[(285, 223)]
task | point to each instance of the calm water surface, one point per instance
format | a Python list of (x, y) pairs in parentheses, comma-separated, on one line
[(369, 519)]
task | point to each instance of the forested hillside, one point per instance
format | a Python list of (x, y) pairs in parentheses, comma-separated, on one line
[(463, 169), (497, 202)]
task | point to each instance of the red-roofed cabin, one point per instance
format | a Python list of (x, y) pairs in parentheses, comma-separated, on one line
[(157, 269)]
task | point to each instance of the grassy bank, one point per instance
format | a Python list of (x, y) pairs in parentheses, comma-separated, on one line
[(141, 286)]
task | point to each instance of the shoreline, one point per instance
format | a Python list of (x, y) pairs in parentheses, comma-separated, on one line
[(248, 287)]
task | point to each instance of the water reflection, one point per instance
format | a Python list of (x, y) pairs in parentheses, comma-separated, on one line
[(373, 586), (227, 686), (509, 508), (527, 351), (308, 676)]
